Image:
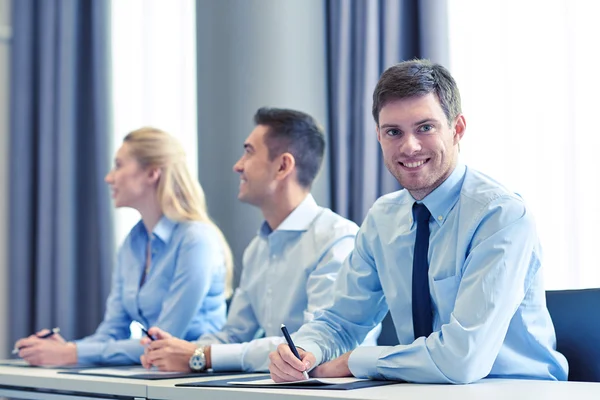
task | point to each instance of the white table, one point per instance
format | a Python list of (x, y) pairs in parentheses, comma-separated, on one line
[(19, 382), (489, 389), (22, 383)]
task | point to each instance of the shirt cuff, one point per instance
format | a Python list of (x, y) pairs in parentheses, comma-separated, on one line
[(363, 361), (311, 348), (89, 353), (226, 357)]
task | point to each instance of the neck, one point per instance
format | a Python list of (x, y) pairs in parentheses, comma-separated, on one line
[(151, 213), (281, 205)]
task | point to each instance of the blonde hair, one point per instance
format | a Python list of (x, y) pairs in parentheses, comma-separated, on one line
[(180, 196)]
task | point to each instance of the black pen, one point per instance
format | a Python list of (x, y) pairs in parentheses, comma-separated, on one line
[(290, 343), (145, 331), (44, 336)]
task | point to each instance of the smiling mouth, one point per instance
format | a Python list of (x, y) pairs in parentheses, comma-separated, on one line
[(414, 164)]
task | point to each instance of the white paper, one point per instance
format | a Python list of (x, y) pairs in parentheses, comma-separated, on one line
[(311, 381)]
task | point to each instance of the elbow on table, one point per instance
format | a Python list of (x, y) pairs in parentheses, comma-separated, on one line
[(466, 372)]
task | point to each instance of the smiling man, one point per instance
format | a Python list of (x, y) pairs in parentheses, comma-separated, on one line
[(454, 255), (289, 268)]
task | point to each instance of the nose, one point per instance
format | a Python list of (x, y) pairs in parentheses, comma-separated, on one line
[(109, 178), (238, 166), (410, 145)]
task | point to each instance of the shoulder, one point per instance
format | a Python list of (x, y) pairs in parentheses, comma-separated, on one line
[(386, 209), (329, 226), (195, 233), (480, 194)]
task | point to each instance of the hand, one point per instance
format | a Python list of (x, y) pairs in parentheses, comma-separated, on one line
[(56, 337), (49, 351), (286, 367), (157, 334), (166, 352), (337, 368)]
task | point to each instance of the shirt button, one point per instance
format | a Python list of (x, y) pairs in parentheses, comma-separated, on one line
[(410, 220), (440, 218)]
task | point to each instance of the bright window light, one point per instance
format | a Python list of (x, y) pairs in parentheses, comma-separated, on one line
[(529, 85), (154, 76)]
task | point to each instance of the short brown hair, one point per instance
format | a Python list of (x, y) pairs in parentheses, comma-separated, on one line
[(417, 78)]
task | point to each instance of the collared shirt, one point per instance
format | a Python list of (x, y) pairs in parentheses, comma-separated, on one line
[(183, 293), (485, 279), (288, 274)]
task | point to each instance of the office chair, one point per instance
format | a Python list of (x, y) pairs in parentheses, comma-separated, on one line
[(576, 318), (388, 336)]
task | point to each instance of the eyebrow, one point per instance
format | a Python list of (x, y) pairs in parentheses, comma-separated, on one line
[(421, 122)]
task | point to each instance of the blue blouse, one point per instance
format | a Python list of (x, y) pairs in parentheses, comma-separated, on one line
[(183, 292)]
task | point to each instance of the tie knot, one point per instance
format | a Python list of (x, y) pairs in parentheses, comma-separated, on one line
[(421, 213)]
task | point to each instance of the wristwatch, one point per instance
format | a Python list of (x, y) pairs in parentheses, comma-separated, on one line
[(198, 360)]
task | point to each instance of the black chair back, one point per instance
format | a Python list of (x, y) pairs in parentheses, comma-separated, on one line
[(576, 318)]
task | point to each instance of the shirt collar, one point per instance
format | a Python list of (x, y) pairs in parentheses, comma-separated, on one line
[(163, 229), (444, 197), (298, 220)]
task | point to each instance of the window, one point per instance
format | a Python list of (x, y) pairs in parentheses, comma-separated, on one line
[(529, 85), (154, 76)]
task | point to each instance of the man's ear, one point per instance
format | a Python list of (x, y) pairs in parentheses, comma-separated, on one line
[(460, 127), (287, 164), (378, 134)]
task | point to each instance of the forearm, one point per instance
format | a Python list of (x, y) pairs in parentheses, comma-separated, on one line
[(115, 352)]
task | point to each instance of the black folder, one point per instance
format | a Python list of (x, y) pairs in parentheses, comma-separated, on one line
[(343, 386)]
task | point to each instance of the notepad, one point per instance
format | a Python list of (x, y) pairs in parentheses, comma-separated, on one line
[(304, 382)]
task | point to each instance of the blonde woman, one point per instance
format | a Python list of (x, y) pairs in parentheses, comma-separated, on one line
[(173, 269)]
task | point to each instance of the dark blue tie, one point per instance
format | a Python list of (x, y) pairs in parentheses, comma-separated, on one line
[(421, 300)]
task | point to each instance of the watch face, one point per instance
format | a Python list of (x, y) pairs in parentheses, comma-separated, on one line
[(198, 361)]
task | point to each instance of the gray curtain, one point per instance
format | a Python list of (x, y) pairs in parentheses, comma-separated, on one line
[(61, 236), (364, 38)]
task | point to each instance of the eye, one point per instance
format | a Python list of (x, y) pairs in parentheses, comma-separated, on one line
[(425, 128), (393, 132)]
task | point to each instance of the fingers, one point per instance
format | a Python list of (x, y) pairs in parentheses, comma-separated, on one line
[(145, 340), (28, 353), (308, 359), (285, 366), (27, 342), (42, 332), (145, 363), (158, 333), (286, 354)]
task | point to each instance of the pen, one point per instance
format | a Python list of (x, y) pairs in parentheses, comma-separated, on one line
[(145, 331), (45, 336), (290, 343)]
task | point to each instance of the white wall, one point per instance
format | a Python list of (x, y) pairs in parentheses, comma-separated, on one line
[(4, 126)]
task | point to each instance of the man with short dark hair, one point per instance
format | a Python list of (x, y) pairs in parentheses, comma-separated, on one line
[(288, 269), (454, 256)]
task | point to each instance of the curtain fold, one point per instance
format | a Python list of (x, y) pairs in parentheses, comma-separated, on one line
[(364, 38), (61, 246)]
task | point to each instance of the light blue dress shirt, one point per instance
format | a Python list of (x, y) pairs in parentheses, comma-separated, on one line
[(288, 274), (486, 284), (182, 294)]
